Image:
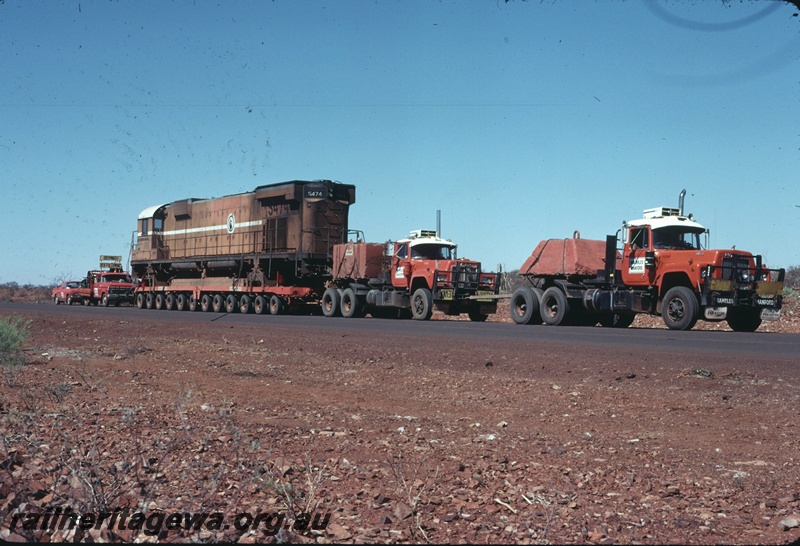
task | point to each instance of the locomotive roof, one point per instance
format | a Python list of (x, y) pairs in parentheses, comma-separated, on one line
[(149, 212)]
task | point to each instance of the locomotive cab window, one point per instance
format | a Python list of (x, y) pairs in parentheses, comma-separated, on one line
[(145, 226)]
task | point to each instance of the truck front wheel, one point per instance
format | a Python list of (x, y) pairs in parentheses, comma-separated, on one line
[(679, 308), (525, 305), (104, 301), (744, 320), (554, 306), (421, 304)]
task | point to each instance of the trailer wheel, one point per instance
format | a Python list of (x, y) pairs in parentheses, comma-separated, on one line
[(244, 305), (159, 301), (744, 320), (139, 300), (260, 305), (421, 304), (193, 303), (525, 305), (331, 302), (275, 305), (149, 301), (554, 306), (205, 303), (231, 304), (617, 320), (350, 306), (679, 308), (218, 303)]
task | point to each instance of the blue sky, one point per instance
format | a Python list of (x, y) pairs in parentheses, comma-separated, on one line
[(521, 121)]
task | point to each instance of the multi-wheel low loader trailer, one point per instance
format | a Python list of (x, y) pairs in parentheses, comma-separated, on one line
[(663, 268)]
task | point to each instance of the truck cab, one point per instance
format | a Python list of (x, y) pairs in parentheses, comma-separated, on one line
[(666, 254)]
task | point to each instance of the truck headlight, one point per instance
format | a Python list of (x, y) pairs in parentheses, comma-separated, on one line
[(441, 277)]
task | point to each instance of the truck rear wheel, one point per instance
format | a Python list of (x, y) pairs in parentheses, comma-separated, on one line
[(744, 320), (331, 301), (350, 306), (275, 305), (260, 305), (231, 304), (679, 308), (554, 306), (421, 304), (139, 300), (525, 305)]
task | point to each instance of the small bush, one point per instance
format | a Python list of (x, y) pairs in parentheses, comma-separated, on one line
[(13, 335)]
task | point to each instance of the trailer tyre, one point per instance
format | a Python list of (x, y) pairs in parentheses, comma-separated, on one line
[(421, 304), (525, 305), (218, 303), (231, 304), (679, 308), (139, 300), (180, 302), (554, 306), (193, 303), (149, 301), (275, 305), (159, 301), (744, 320), (331, 302), (350, 306), (260, 305), (205, 303), (245, 305), (169, 302)]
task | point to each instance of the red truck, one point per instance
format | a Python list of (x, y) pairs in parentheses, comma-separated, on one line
[(410, 278), (663, 268), (109, 285)]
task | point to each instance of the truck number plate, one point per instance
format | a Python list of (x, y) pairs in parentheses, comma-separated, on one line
[(446, 293), (770, 314)]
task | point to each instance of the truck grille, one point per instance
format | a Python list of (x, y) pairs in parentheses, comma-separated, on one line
[(736, 268)]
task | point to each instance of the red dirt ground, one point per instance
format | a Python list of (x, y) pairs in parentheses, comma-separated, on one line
[(481, 444)]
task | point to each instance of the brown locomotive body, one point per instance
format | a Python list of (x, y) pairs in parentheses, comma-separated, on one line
[(273, 244)]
